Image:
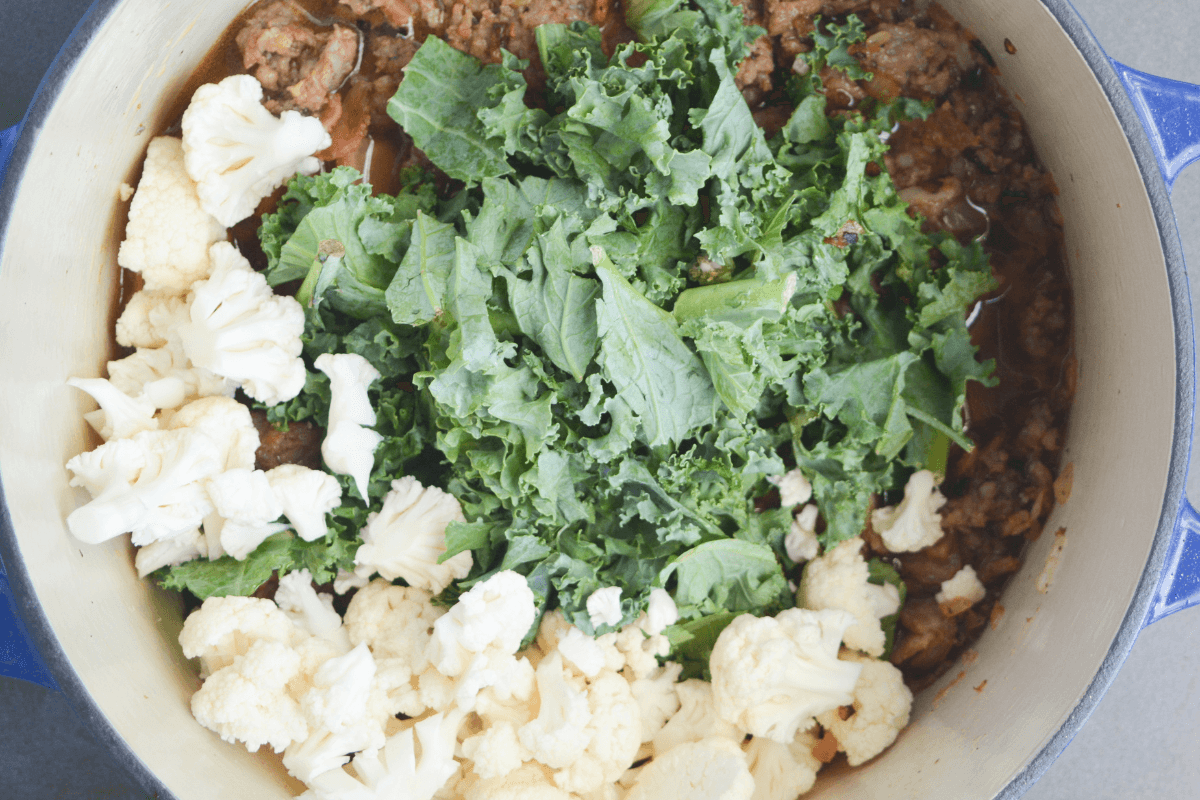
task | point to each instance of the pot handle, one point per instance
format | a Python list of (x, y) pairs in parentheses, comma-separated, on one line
[(18, 657), (1179, 581), (1170, 113)]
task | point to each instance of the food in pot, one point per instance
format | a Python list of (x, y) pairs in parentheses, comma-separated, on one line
[(676, 396)]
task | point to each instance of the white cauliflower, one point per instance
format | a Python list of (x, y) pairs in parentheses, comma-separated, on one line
[(248, 702), (604, 607), (309, 611), (246, 509), (395, 770), (794, 488), (661, 612), (238, 152), (170, 552), (881, 707), (533, 781), (801, 542), (914, 524), (169, 233), (407, 536), (306, 495), (120, 416), (335, 708), (782, 771), (656, 698), (150, 315), (239, 329), (696, 719), (710, 769), (495, 751), (227, 421), (614, 736), (397, 623), (586, 654), (224, 628), (960, 592), (164, 376), (840, 579), (588, 731), (772, 675), (150, 485), (493, 615), (473, 645), (349, 446)]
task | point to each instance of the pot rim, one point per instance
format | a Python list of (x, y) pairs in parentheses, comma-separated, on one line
[(1135, 616), (1137, 613)]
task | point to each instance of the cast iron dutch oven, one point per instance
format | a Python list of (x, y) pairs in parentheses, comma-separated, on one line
[(1114, 139)]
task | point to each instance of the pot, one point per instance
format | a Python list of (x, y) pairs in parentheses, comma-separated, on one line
[(1115, 140)]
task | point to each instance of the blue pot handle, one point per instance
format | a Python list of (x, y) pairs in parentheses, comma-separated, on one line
[(18, 657), (1170, 112)]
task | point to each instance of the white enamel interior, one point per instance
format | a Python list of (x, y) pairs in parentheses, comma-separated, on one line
[(58, 287)]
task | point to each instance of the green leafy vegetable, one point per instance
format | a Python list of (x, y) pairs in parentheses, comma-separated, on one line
[(637, 311)]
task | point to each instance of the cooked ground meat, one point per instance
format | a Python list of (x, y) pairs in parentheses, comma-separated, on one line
[(298, 64), (299, 444)]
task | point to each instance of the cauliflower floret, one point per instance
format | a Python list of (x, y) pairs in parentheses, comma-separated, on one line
[(640, 650), (311, 612), (589, 731), (149, 316), (696, 719), (247, 701), (841, 579), (614, 736), (914, 524), (239, 329), (801, 543), (493, 614), (473, 645), (165, 377), (881, 707), (150, 486), (407, 536), (661, 612), (710, 769), (120, 416), (395, 770), (246, 510), (168, 234), (656, 697), (772, 675), (335, 708), (229, 424), (225, 627), (794, 488), (306, 495), (533, 781), (782, 771), (397, 623), (170, 552), (604, 607), (960, 592), (238, 152), (584, 653), (349, 447), (496, 751)]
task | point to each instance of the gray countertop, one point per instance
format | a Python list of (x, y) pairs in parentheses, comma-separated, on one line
[(1140, 743)]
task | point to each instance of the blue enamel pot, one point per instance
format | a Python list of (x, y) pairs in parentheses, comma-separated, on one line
[(79, 620)]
